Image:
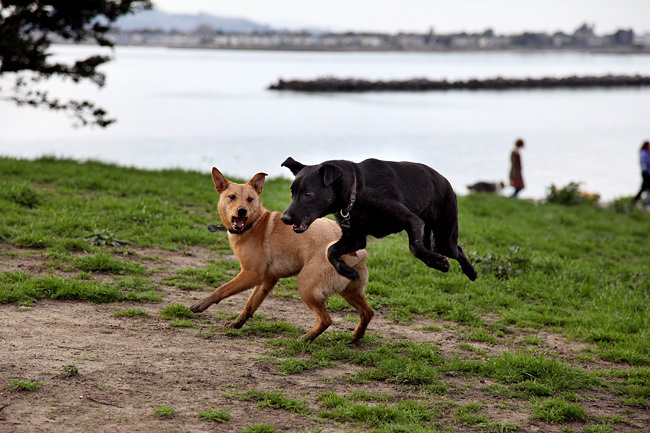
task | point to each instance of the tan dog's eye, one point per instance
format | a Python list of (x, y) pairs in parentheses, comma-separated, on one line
[(232, 197), (250, 199)]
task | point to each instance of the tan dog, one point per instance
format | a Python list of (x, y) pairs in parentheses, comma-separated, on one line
[(268, 250)]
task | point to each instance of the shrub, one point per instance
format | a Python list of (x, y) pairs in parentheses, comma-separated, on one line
[(69, 371), (570, 195)]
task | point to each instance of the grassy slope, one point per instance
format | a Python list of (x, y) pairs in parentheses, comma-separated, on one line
[(581, 271)]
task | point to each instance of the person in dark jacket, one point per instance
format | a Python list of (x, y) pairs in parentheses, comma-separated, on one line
[(644, 155), (516, 176)]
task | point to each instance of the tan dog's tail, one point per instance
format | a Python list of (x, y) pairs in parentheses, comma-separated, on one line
[(356, 258)]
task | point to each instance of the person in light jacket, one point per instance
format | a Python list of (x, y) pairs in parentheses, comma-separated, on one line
[(516, 176)]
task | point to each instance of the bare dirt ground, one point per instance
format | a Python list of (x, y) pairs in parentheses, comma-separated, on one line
[(130, 366)]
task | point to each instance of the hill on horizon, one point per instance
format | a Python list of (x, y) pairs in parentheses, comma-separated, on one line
[(159, 20)]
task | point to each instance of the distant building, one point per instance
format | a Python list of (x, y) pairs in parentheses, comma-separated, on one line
[(623, 37), (642, 40), (584, 36)]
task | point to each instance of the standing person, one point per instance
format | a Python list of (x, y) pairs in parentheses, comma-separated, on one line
[(516, 177), (645, 172)]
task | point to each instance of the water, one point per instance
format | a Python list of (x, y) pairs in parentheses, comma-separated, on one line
[(194, 109)]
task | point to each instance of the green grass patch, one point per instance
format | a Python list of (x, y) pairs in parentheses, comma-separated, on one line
[(275, 400), (69, 370), (405, 414), (176, 311), (104, 262), (209, 278), (183, 323), (215, 415), (523, 367), (164, 412), (21, 288), (259, 428), (26, 385), (469, 414), (260, 326), (132, 312), (399, 363), (558, 410)]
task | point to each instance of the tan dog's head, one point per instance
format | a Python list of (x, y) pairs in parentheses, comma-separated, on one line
[(239, 204)]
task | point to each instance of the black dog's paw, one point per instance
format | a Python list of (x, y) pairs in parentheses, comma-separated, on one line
[(471, 274), (347, 272), (440, 263)]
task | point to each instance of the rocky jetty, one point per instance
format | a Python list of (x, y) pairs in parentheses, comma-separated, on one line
[(333, 84)]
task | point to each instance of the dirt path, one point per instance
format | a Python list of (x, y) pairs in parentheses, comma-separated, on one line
[(130, 366)]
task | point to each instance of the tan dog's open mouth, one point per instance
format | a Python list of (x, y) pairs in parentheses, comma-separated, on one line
[(238, 223)]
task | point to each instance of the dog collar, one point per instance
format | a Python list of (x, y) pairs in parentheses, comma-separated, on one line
[(238, 232), (213, 228), (345, 213)]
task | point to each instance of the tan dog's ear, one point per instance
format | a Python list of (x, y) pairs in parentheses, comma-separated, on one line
[(220, 182), (257, 182)]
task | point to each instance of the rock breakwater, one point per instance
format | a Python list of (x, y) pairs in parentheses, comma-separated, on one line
[(333, 84)]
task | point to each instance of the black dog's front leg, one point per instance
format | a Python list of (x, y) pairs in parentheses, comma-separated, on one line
[(345, 245)]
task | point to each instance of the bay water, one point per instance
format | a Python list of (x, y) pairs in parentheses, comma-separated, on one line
[(195, 109)]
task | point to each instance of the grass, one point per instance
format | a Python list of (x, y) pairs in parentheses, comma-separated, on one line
[(164, 412), (26, 385), (259, 428), (558, 410), (578, 271), (275, 400), (209, 278), (176, 311), (215, 415), (132, 312), (21, 288), (69, 370), (404, 413)]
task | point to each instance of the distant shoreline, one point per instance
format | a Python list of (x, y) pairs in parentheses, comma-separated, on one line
[(621, 50)]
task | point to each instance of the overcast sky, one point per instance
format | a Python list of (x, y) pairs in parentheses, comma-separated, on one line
[(445, 16)]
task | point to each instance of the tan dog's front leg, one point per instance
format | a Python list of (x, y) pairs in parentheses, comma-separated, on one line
[(257, 297), (243, 281)]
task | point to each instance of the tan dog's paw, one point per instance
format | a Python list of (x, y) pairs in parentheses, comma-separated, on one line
[(201, 306), (234, 325)]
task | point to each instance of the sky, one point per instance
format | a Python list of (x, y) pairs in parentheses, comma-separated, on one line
[(444, 16)]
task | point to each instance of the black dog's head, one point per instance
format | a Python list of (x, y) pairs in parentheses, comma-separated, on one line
[(314, 193)]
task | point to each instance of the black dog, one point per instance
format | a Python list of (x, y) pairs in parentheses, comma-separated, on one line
[(379, 198)]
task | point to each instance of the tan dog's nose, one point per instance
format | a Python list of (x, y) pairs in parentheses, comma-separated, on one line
[(242, 211)]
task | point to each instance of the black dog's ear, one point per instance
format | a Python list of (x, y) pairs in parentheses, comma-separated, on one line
[(293, 165), (330, 173)]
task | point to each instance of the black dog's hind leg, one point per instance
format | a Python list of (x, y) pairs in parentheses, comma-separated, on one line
[(345, 245), (420, 241), (448, 245)]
